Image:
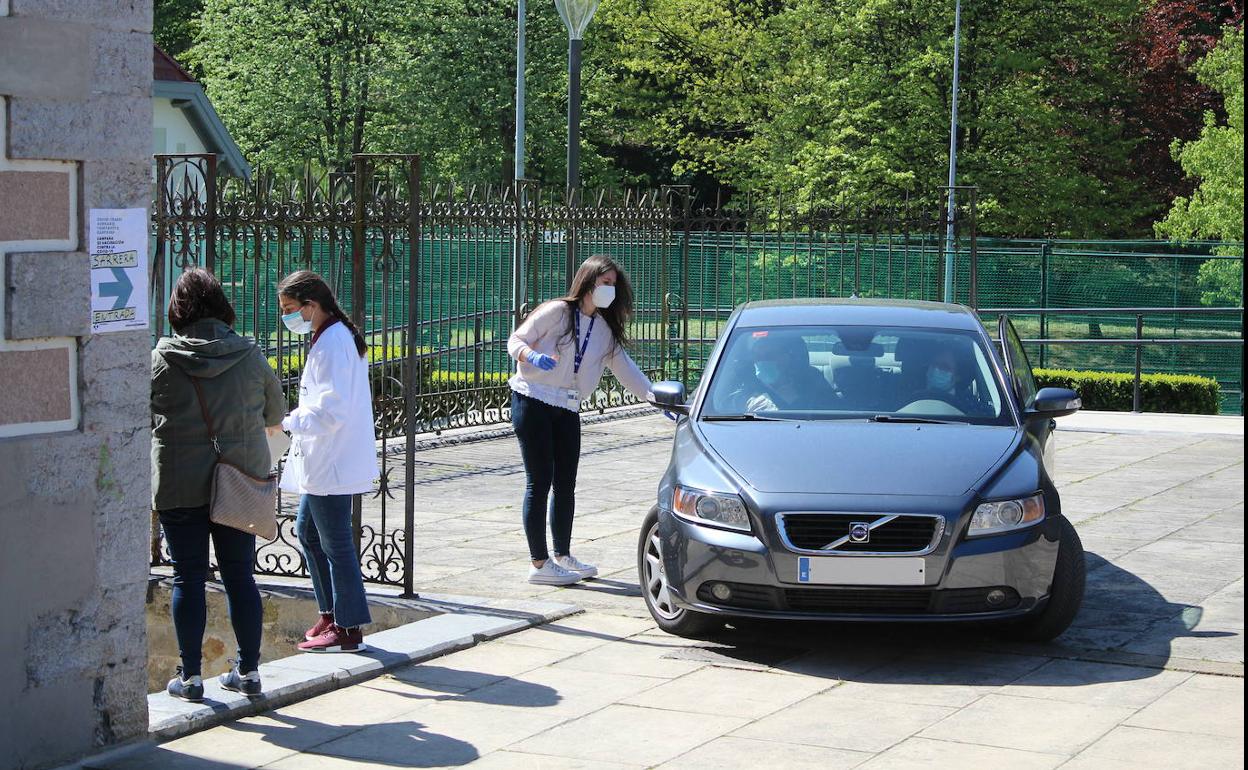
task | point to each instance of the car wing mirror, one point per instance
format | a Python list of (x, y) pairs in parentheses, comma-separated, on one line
[(669, 396), (1055, 402)]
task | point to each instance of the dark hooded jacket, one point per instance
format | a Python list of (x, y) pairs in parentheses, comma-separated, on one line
[(243, 395)]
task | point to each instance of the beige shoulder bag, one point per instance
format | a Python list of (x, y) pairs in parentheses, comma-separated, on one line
[(238, 499)]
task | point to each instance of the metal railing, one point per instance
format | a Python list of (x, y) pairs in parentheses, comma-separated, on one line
[(1138, 341)]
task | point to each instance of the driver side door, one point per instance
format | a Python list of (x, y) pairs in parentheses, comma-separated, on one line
[(1022, 382)]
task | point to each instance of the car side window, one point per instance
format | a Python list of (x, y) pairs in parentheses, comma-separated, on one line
[(984, 393), (1024, 381)]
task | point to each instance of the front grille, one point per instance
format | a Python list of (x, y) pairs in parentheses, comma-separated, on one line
[(859, 602), (863, 601), (814, 531)]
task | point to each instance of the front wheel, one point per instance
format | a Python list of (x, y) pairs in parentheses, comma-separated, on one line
[(1065, 595), (656, 589)]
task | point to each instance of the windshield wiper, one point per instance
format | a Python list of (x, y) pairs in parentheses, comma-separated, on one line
[(903, 418), (748, 416)]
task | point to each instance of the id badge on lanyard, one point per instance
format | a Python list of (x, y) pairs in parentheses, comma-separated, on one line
[(574, 395)]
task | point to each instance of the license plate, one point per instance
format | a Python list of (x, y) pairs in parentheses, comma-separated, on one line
[(861, 571)]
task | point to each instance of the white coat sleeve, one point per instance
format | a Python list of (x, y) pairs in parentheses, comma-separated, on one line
[(628, 373), (325, 411)]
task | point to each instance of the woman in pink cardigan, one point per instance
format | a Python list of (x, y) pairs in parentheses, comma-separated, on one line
[(562, 348)]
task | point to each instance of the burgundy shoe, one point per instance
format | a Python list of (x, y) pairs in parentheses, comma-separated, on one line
[(336, 639), (322, 625)]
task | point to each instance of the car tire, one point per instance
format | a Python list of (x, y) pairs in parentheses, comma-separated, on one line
[(654, 587), (1065, 594)]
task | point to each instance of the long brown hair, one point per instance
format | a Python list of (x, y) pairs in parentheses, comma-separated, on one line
[(619, 314), (305, 286)]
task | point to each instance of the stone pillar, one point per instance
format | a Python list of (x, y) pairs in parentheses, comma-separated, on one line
[(75, 134)]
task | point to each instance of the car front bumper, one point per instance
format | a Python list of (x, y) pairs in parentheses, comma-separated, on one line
[(763, 580)]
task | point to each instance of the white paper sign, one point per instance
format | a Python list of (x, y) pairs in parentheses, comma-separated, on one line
[(278, 444), (117, 244)]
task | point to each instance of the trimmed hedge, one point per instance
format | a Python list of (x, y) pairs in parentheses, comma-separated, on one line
[(1112, 391), (386, 365), (442, 380)]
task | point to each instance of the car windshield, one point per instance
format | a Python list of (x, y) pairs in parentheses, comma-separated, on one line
[(886, 374)]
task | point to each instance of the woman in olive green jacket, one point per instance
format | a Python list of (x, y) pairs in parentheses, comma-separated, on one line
[(243, 397)]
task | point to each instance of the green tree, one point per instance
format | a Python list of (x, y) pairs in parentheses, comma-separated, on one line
[(173, 25), (1216, 160), (297, 81), (323, 79), (847, 101)]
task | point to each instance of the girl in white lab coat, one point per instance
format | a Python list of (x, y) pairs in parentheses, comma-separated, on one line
[(332, 457)]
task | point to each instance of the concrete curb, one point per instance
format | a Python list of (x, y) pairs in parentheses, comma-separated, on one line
[(1146, 423), (464, 622)]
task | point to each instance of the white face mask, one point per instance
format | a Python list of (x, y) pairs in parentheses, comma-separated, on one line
[(603, 296), (297, 323)]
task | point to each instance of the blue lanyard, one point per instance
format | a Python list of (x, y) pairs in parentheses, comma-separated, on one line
[(581, 348)]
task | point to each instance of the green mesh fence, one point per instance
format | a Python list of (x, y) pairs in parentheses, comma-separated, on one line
[(687, 285), (725, 269)]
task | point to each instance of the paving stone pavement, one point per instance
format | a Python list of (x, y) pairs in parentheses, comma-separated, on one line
[(1151, 675)]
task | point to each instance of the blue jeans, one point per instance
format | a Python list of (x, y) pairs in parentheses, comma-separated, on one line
[(187, 531), (324, 529), (550, 444)]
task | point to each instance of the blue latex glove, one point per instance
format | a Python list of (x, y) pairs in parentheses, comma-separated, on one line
[(541, 360), (670, 416)]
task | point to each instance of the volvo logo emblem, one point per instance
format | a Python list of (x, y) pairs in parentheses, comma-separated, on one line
[(859, 532)]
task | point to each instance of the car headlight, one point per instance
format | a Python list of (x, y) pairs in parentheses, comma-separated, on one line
[(1006, 515), (720, 510)]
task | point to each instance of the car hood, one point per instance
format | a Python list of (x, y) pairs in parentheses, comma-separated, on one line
[(859, 458)]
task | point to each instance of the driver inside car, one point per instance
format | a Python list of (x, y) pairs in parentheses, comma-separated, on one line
[(783, 378), (946, 381)]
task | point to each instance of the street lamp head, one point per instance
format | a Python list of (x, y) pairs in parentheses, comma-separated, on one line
[(576, 15)]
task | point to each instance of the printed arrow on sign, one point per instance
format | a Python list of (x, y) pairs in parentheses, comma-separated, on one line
[(121, 288)]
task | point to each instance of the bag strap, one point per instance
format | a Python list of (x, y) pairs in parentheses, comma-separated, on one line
[(203, 410)]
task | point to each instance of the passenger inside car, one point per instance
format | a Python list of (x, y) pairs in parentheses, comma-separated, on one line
[(778, 375)]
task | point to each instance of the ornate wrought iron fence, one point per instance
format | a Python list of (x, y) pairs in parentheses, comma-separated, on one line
[(438, 275)]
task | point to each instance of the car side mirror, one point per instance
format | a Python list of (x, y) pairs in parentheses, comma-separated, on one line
[(1055, 402), (669, 396)]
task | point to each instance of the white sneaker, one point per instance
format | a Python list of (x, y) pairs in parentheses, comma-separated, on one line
[(575, 565), (551, 574)]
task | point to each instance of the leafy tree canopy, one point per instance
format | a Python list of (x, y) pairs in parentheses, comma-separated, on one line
[(1216, 158), (1064, 104)]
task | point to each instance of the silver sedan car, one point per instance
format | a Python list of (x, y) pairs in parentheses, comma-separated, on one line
[(855, 460)]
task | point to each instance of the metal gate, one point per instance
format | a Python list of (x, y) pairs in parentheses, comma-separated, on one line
[(437, 276), (361, 231)]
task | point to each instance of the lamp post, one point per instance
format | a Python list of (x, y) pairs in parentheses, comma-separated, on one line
[(950, 246), (517, 262), (576, 15), (520, 35)]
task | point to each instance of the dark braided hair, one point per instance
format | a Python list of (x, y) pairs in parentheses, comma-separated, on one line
[(306, 286)]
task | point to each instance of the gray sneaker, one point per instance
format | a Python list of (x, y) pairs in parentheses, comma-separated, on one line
[(190, 689), (236, 681)]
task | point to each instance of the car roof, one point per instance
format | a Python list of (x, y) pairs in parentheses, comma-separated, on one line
[(858, 312)]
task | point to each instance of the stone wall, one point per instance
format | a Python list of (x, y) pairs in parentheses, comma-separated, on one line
[(75, 128)]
